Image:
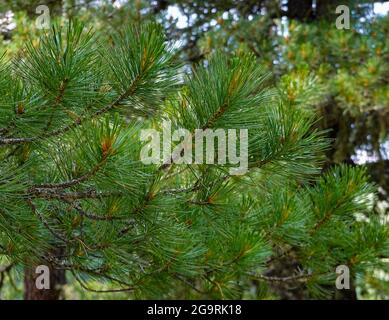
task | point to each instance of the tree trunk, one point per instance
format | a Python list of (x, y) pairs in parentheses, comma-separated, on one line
[(56, 277)]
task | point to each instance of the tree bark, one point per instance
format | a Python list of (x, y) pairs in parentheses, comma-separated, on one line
[(57, 280), (31, 292)]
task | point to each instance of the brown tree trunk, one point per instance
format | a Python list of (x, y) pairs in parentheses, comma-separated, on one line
[(31, 292), (57, 280), (347, 294)]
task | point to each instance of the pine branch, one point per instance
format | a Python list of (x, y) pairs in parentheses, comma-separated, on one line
[(78, 122), (297, 277), (45, 223), (54, 194), (93, 216), (73, 182), (11, 141), (84, 286)]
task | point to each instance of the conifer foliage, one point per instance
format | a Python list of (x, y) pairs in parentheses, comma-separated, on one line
[(74, 192)]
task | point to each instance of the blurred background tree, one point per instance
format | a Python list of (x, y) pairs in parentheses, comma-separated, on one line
[(341, 74)]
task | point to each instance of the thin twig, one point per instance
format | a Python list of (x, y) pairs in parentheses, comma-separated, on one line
[(297, 277)]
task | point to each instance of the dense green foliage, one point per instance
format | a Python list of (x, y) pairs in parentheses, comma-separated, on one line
[(74, 193)]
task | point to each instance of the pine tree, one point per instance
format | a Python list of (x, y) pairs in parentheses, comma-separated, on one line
[(75, 195)]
